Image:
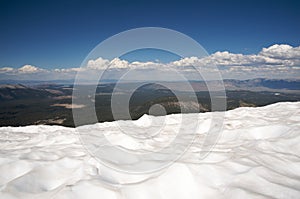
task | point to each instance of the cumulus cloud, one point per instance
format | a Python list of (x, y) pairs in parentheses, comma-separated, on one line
[(117, 63), (98, 64), (276, 55), (276, 61), (6, 69), (68, 70), (282, 52), (29, 69)]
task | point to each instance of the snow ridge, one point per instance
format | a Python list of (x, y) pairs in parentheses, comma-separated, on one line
[(257, 156)]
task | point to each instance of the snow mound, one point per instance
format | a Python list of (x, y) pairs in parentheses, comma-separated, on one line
[(257, 156)]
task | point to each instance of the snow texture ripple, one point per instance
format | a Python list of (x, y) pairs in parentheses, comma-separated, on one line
[(257, 156)]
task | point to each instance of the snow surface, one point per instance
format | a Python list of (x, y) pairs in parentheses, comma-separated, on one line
[(257, 156)]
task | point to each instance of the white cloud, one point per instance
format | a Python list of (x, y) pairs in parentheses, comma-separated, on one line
[(282, 51), (280, 55), (29, 69), (282, 61), (6, 69), (118, 64), (68, 70), (277, 61), (98, 64)]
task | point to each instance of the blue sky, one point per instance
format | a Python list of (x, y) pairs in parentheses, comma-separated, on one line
[(59, 34)]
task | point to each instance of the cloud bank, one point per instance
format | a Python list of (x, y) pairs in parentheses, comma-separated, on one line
[(276, 61)]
